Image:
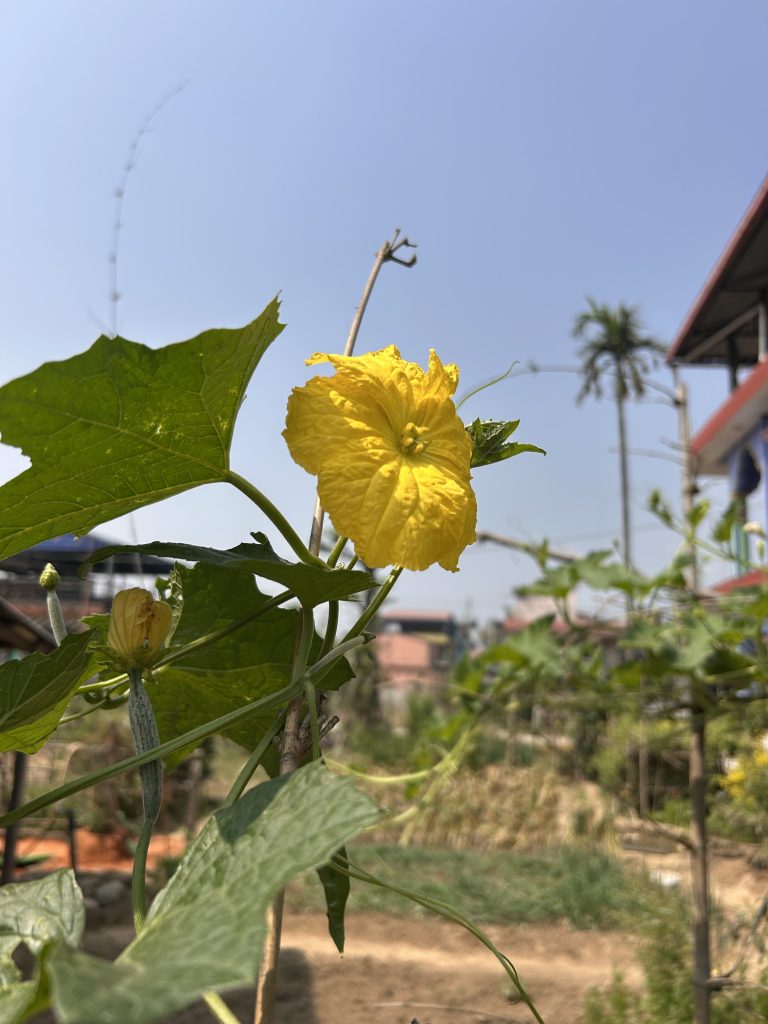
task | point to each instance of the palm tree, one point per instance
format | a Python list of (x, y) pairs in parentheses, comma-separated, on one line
[(614, 345)]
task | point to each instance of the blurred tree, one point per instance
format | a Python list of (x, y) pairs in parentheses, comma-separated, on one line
[(614, 344)]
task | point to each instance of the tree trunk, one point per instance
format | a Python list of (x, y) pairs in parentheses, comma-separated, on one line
[(12, 831), (643, 774), (699, 869), (626, 536)]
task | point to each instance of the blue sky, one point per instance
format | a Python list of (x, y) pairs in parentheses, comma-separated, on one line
[(538, 152)]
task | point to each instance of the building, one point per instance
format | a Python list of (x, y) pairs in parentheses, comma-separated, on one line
[(416, 652), (20, 575), (727, 326)]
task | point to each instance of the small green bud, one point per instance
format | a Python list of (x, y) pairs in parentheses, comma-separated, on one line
[(49, 578)]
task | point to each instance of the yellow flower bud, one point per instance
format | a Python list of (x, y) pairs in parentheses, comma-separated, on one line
[(49, 578), (138, 627)]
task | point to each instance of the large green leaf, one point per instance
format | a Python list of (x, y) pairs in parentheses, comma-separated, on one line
[(35, 691), (250, 663), (311, 584), (206, 929), (36, 913), (121, 426)]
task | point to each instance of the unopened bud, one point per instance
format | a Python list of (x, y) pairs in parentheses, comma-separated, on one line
[(138, 627), (49, 578)]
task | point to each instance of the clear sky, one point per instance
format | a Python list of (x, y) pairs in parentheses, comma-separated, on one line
[(537, 151)]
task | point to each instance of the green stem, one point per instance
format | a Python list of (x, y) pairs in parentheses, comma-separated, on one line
[(330, 627), (138, 883), (450, 913), (311, 698), (322, 666), (219, 1008), (273, 513), (107, 702), (272, 700), (169, 747), (336, 551), (253, 762), (381, 596), (306, 636), (382, 780)]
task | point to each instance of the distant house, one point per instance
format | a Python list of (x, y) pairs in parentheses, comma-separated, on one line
[(416, 652), (20, 574), (727, 326)]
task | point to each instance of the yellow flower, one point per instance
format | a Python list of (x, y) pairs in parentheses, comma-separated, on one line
[(138, 627), (391, 457)]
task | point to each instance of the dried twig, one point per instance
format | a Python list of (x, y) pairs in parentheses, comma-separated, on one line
[(290, 752)]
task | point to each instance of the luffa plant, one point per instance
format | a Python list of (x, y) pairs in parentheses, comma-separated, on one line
[(216, 656)]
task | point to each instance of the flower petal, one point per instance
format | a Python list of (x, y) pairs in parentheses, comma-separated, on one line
[(391, 456)]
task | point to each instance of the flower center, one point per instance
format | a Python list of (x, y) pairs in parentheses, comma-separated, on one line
[(411, 439)]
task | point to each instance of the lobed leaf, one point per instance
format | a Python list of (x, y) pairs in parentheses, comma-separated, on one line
[(206, 929), (121, 426)]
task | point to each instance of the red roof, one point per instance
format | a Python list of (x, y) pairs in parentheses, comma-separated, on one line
[(729, 295), (750, 579), (736, 418)]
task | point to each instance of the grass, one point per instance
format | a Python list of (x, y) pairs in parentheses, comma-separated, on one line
[(586, 888)]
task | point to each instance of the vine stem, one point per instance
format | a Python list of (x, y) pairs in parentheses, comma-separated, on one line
[(266, 982), (451, 914), (276, 517), (385, 254), (138, 879)]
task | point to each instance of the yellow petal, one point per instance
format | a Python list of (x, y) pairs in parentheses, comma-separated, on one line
[(138, 626), (391, 455)]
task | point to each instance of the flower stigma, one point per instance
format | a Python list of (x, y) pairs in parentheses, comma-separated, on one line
[(410, 439)]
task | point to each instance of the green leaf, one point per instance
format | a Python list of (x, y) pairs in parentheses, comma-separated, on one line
[(721, 531), (489, 442), (250, 663), (36, 913), (121, 426), (311, 584), (336, 887), (35, 691), (206, 929), (15, 1000), (539, 646)]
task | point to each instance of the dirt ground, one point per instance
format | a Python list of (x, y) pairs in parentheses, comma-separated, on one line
[(397, 970)]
